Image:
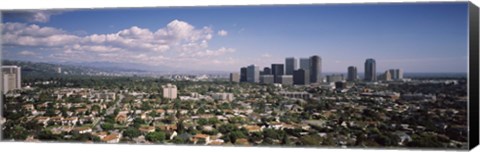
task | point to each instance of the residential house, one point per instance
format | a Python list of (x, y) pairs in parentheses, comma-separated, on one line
[(112, 138), (82, 130), (201, 138), (147, 129)]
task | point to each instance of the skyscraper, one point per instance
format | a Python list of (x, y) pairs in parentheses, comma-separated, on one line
[(399, 73), (234, 77), (315, 69), (301, 77), (267, 71), (12, 78), (277, 71), (370, 70), (394, 74), (388, 76), (305, 63), (253, 74), (352, 73), (290, 65), (243, 74)]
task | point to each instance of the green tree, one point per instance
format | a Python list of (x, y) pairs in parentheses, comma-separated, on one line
[(131, 132), (107, 126), (236, 135), (156, 136)]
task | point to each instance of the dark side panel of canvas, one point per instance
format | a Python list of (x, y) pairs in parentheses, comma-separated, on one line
[(473, 75)]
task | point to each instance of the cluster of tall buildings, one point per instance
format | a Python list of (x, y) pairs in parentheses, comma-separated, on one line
[(12, 78), (308, 71), (371, 73), (392, 74), (291, 72)]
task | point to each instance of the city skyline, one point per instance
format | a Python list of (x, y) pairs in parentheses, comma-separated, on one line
[(419, 37)]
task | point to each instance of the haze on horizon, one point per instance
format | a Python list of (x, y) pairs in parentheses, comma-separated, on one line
[(417, 37)]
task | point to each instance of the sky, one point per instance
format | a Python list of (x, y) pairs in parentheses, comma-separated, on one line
[(416, 37)]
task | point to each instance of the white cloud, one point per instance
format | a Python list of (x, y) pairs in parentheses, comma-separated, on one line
[(94, 48), (27, 53), (222, 33), (211, 53), (33, 15), (34, 35), (266, 55), (177, 43), (40, 17)]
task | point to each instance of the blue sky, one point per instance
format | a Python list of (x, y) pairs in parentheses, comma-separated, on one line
[(417, 37)]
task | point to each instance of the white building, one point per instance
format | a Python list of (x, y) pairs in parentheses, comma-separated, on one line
[(169, 91), (223, 96), (300, 95), (286, 79), (253, 74), (12, 78)]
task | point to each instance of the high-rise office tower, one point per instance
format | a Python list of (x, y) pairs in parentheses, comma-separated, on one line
[(394, 74), (315, 69), (290, 65), (277, 71), (370, 70), (169, 91), (305, 63), (253, 74), (301, 77), (243, 74), (12, 78), (267, 71), (352, 73), (234, 77), (399, 73), (388, 75)]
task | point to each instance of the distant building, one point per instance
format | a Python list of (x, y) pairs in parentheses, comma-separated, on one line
[(370, 70), (286, 79), (300, 95), (267, 71), (234, 77), (106, 96), (169, 91), (301, 77), (223, 96), (12, 78), (315, 69), (393, 73), (399, 73), (267, 79), (352, 73), (305, 63), (277, 71), (339, 85), (387, 76), (253, 74), (290, 65), (383, 94), (59, 70), (335, 78), (243, 74)]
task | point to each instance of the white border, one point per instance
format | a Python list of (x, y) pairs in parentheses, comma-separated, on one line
[(62, 4), (57, 4)]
